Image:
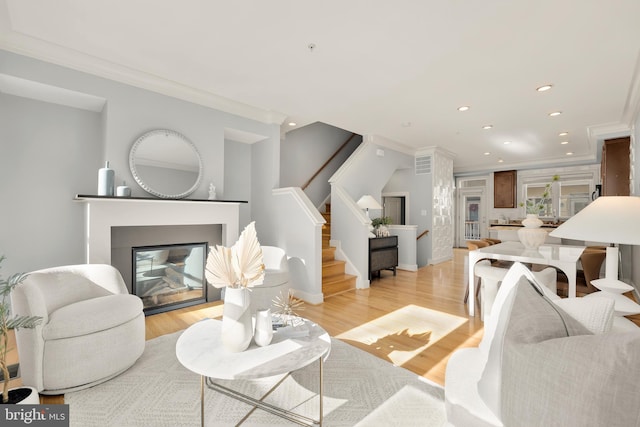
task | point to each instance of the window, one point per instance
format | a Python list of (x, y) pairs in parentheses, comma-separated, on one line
[(568, 195), (574, 196), (565, 199), (535, 196)]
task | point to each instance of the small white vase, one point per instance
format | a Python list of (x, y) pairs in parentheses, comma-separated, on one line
[(264, 328), (237, 325)]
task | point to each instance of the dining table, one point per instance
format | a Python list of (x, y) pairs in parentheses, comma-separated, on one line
[(563, 257)]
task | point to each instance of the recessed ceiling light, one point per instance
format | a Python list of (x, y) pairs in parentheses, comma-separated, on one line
[(507, 142), (463, 108), (292, 123), (570, 153), (485, 127), (563, 134), (555, 113), (487, 153), (500, 160), (544, 88), (564, 142)]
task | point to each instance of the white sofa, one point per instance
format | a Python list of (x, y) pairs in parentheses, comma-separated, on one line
[(539, 366), (92, 328)]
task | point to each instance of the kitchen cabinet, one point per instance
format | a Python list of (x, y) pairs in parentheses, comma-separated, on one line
[(616, 167), (504, 189)]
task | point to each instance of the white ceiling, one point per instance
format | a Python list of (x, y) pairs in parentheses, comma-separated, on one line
[(377, 65)]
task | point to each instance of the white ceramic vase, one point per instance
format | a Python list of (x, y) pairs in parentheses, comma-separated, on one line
[(237, 325), (532, 221), (264, 328), (531, 235)]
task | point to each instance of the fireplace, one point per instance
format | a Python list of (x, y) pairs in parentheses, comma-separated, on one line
[(170, 276), (115, 225)]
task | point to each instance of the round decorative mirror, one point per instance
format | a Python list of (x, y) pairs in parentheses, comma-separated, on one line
[(166, 164)]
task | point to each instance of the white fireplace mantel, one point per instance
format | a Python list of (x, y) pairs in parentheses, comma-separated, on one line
[(103, 213)]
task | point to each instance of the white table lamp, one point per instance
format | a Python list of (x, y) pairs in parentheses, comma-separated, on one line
[(367, 202), (608, 219)]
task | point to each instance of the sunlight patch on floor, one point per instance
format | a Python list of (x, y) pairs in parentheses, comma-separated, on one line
[(402, 334)]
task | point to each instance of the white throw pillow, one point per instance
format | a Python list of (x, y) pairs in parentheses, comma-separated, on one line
[(595, 314), (623, 306)]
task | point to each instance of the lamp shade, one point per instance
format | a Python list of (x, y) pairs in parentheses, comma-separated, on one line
[(608, 219), (368, 202)]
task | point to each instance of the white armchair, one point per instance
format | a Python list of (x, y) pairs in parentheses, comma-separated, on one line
[(276, 278), (92, 328)]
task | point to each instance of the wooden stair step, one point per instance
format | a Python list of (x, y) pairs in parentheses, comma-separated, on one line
[(332, 268), (328, 253), (338, 284)]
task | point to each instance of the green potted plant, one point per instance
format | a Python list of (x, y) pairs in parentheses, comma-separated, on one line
[(380, 225), (7, 322)]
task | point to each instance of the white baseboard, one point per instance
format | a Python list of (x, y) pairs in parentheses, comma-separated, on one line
[(309, 298), (408, 267), (439, 260)]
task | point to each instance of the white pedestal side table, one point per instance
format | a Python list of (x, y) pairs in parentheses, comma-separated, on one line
[(200, 350), (614, 288)]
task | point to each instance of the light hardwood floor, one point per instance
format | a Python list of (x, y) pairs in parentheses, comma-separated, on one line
[(414, 319), (437, 288)]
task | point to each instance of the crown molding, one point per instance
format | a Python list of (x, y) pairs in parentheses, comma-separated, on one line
[(388, 143), (28, 46), (601, 132), (425, 151), (587, 159)]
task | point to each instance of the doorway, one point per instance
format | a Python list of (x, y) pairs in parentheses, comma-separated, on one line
[(394, 205), (394, 208), (472, 221)]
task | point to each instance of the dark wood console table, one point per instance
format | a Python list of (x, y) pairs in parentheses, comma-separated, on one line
[(383, 254)]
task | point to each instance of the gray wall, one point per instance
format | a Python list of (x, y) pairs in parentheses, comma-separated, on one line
[(237, 177), (420, 189), (48, 153), (306, 149), (51, 152), (366, 172), (265, 177)]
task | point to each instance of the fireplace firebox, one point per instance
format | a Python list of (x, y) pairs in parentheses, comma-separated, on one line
[(167, 277)]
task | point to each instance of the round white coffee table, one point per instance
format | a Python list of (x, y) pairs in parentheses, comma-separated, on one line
[(200, 350)]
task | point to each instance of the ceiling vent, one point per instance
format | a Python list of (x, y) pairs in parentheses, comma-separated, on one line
[(423, 165)]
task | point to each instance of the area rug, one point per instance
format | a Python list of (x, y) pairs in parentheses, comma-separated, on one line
[(360, 390)]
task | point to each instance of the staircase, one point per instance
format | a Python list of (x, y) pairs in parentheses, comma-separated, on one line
[(334, 279)]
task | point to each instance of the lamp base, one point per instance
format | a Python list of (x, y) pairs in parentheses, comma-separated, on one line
[(611, 263)]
